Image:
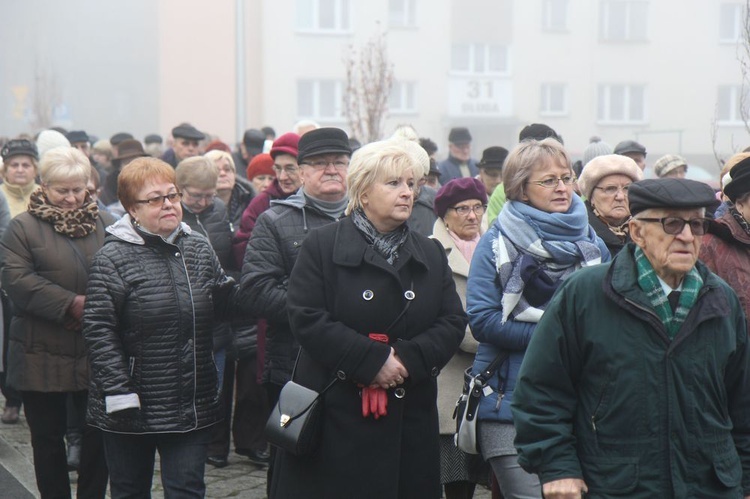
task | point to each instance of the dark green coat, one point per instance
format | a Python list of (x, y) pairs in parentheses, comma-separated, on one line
[(604, 395)]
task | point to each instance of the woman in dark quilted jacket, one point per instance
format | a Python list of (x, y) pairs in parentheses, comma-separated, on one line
[(155, 292)]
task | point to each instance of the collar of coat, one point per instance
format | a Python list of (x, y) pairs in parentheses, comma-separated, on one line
[(351, 250), (621, 282), (456, 260), (123, 229)]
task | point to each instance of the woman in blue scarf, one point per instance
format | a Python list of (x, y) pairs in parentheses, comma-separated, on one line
[(539, 238)]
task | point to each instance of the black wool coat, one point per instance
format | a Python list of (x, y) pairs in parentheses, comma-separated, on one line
[(340, 291)]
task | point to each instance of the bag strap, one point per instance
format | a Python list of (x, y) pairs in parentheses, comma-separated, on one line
[(489, 371), (410, 292)]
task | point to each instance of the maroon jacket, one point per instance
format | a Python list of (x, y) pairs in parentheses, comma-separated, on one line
[(726, 251), (258, 205)]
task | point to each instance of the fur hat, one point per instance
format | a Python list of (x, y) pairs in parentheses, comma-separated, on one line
[(601, 166), (49, 139), (457, 190), (261, 164)]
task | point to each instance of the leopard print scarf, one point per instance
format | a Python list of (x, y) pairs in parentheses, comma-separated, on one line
[(76, 223)]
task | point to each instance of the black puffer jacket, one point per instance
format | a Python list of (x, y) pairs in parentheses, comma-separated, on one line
[(214, 224), (148, 320), (269, 259)]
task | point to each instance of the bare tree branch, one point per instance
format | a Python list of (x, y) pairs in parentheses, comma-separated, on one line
[(744, 58), (369, 80)]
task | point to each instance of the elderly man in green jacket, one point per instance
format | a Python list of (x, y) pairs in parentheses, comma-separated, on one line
[(636, 382)]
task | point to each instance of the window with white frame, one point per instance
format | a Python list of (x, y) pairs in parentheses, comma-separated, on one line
[(623, 20), (480, 58), (730, 22), (729, 104), (328, 16), (622, 104), (555, 15), (403, 98), (319, 99), (402, 13), (554, 99)]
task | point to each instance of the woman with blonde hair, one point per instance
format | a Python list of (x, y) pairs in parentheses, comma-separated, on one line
[(374, 307)]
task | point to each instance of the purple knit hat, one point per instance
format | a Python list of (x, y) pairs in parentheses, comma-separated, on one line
[(457, 190)]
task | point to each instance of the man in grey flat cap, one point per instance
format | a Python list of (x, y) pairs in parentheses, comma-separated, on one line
[(636, 381)]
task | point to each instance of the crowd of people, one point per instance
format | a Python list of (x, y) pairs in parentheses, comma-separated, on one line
[(157, 296)]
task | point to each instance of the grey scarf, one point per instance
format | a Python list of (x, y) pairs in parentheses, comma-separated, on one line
[(385, 245)]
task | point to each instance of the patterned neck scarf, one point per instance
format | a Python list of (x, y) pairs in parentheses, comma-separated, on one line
[(620, 231), (649, 283), (79, 222), (385, 245)]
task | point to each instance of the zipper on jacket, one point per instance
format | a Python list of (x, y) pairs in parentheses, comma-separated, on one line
[(599, 404), (131, 365)]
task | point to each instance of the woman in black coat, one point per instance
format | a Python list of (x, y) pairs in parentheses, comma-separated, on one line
[(365, 275)]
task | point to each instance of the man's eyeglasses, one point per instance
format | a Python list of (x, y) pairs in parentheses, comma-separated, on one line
[(675, 225), (200, 197), (159, 200), (552, 183), (465, 210), (611, 190), (323, 164), (290, 170)]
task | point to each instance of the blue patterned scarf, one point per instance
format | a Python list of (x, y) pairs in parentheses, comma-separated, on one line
[(558, 243)]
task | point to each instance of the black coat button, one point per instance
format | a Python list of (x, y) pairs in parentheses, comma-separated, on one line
[(434, 372)]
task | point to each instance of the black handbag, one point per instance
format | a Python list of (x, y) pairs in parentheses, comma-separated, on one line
[(295, 421)]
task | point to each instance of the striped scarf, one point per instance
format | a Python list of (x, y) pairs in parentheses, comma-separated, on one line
[(649, 283)]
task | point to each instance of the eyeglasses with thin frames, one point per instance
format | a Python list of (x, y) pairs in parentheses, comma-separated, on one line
[(465, 210), (290, 170), (611, 190), (552, 183), (675, 225), (159, 200), (323, 164)]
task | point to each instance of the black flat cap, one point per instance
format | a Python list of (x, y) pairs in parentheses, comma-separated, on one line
[(740, 183), (493, 157), (153, 138), (459, 135), (629, 146), (323, 141), (675, 193), (77, 136), (538, 131), (187, 131)]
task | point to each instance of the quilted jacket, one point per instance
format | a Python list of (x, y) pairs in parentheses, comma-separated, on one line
[(148, 320), (269, 259)]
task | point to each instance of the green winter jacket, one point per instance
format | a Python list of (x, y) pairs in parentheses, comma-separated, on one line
[(604, 395)]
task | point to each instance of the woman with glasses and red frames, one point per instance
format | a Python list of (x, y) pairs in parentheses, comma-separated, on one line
[(156, 290), (540, 237), (459, 205), (46, 256), (604, 182), (726, 246)]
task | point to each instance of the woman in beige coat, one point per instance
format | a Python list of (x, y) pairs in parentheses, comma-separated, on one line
[(459, 205)]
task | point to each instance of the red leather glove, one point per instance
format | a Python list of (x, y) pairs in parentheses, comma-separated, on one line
[(375, 399)]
